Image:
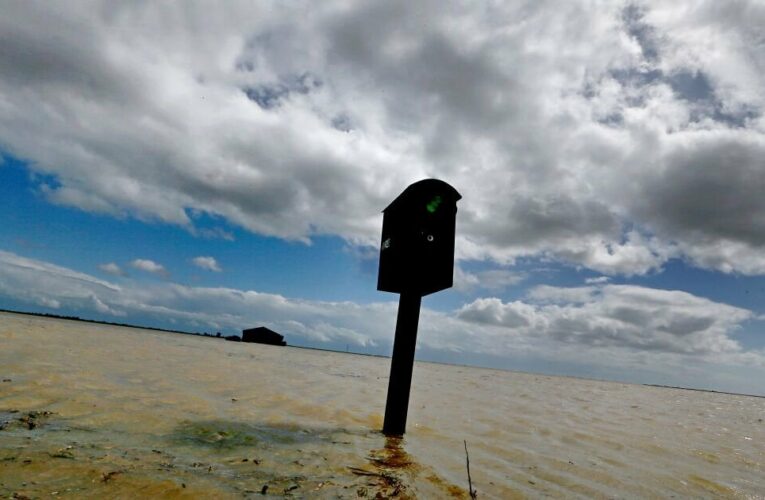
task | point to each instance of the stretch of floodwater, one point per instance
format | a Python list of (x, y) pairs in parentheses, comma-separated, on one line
[(111, 412)]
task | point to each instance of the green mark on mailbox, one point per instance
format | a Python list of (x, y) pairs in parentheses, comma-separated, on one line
[(433, 205)]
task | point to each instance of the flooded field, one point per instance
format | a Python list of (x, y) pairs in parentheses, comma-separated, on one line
[(99, 411)]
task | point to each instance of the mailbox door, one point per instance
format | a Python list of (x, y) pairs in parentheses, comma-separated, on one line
[(436, 249)]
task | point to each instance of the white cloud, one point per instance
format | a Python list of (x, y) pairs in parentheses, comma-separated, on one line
[(149, 266), (48, 285), (597, 281), (99, 306), (630, 329), (42, 283), (494, 312), (16, 267), (111, 268), (213, 233), (207, 263), (563, 295), (48, 302), (464, 280), (624, 316), (294, 121), (492, 279)]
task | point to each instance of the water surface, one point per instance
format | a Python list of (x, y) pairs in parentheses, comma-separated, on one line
[(95, 410)]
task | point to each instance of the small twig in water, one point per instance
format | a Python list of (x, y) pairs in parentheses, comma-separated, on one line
[(473, 493), (362, 472)]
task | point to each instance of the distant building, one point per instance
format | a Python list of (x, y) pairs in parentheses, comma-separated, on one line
[(262, 335)]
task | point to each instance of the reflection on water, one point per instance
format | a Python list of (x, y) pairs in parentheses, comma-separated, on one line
[(392, 456), (90, 410)]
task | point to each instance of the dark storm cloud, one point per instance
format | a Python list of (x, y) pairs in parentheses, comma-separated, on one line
[(534, 221), (44, 52), (712, 189), (426, 71)]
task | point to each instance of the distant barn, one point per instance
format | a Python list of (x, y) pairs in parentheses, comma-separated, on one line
[(262, 335)]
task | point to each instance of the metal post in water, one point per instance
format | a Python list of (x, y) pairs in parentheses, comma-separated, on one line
[(402, 364), (416, 259)]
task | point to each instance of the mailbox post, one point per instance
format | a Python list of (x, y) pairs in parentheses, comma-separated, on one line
[(416, 259)]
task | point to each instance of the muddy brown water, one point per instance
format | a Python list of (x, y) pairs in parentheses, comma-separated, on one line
[(98, 411)]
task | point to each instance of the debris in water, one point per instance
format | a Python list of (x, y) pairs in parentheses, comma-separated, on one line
[(63, 453), (473, 493), (106, 477)]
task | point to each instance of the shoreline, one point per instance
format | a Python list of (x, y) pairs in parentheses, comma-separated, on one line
[(204, 334)]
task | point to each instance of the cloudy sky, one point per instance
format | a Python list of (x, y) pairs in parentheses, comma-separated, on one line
[(211, 168)]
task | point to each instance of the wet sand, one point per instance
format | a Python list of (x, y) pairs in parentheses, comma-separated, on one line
[(114, 412)]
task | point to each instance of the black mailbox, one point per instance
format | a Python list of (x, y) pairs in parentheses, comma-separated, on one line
[(417, 249)]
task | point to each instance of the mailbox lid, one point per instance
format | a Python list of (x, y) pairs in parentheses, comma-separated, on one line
[(427, 189)]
